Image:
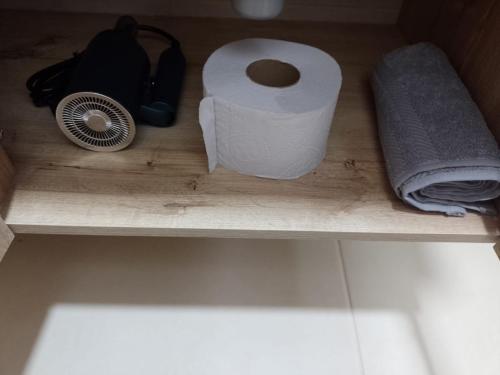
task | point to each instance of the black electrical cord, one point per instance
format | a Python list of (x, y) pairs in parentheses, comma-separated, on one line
[(47, 86), (152, 29)]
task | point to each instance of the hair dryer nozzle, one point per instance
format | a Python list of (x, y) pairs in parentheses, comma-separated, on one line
[(167, 88)]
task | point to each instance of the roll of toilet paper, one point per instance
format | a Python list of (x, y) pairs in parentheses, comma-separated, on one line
[(268, 106)]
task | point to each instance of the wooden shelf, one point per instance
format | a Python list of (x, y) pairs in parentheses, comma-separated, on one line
[(160, 185)]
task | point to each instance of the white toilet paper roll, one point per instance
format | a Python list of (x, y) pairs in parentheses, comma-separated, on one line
[(277, 128)]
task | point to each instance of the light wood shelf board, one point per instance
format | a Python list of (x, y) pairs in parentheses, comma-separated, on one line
[(160, 185)]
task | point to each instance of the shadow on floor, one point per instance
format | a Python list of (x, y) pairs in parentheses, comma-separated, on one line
[(41, 272)]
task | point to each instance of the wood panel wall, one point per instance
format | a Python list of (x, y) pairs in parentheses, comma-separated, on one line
[(6, 174), (364, 11), (469, 32), (6, 177)]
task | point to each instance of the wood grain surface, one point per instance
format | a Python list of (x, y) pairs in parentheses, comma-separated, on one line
[(6, 172), (6, 179), (362, 11), (160, 185), (418, 17)]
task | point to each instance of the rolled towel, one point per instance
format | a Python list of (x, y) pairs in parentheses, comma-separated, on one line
[(440, 154)]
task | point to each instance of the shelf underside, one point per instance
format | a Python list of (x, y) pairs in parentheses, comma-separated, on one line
[(160, 185)]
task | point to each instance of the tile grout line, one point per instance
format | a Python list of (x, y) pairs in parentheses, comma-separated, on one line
[(351, 307)]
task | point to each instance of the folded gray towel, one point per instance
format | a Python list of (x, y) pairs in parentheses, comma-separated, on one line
[(440, 154)]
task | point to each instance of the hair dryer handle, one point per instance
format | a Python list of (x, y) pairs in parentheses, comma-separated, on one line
[(167, 88)]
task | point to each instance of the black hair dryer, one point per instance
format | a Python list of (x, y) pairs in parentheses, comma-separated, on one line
[(99, 95)]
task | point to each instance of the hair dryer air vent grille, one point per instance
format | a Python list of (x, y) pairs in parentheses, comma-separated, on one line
[(95, 122)]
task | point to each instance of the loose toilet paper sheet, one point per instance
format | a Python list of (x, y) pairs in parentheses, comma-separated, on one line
[(274, 132)]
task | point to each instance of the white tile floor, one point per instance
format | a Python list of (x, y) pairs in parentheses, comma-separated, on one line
[(425, 308), (82, 305)]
